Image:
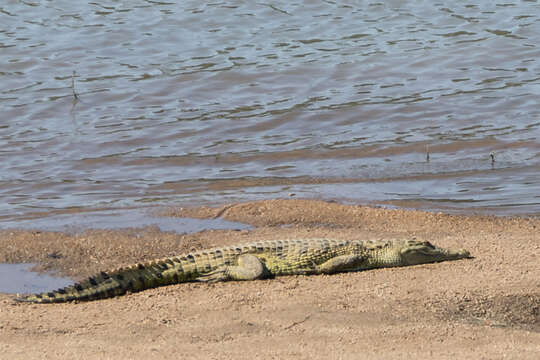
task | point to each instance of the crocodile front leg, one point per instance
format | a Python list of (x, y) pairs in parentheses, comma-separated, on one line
[(249, 267)]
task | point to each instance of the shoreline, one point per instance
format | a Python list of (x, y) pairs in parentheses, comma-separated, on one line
[(488, 306)]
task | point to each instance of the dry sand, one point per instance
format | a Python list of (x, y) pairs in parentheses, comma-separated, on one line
[(482, 308)]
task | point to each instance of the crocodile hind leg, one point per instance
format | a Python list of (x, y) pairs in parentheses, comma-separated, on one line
[(249, 267), (341, 263)]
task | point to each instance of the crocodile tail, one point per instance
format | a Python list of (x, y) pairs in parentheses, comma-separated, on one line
[(110, 284)]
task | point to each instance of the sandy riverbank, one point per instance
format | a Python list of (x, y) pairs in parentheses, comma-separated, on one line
[(486, 307)]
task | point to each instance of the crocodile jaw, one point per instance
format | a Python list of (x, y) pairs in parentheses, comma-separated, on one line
[(422, 252)]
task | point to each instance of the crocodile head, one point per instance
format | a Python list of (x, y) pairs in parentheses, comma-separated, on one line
[(421, 252)]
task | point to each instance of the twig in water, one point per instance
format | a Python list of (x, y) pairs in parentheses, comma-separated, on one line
[(427, 152), (76, 97)]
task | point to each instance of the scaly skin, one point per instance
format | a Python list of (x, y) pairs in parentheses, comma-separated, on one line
[(253, 261)]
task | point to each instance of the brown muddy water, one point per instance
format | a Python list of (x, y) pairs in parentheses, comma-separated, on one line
[(18, 278), (192, 102)]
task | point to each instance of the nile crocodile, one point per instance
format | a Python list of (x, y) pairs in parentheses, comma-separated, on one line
[(253, 261)]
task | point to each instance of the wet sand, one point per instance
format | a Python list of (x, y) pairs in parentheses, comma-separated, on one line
[(486, 307)]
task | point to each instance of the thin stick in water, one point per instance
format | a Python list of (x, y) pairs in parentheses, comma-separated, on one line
[(73, 86)]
